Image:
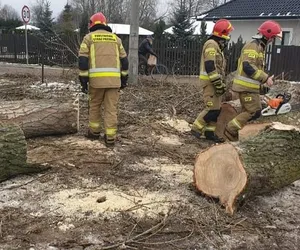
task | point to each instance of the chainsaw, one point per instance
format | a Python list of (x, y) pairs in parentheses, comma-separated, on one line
[(278, 105)]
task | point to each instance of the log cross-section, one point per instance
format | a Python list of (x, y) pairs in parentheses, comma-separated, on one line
[(256, 165)]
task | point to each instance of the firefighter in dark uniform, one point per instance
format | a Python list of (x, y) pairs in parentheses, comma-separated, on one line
[(145, 48), (103, 66), (251, 80), (212, 74)]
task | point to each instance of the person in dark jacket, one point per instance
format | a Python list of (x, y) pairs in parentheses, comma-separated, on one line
[(145, 49)]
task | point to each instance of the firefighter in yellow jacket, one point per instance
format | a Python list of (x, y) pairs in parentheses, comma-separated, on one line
[(251, 80), (212, 73), (103, 66)]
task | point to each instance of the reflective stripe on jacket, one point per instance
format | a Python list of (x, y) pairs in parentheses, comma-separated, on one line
[(211, 52), (104, 51), (253, 57)]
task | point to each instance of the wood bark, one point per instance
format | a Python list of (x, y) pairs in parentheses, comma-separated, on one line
[(256, 165), (41, 117), (13, 153)]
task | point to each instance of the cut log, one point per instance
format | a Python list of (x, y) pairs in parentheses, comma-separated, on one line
[(13, 153), (257, 165), (41, 117)]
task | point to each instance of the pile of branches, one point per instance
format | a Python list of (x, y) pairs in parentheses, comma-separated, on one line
[(154, 99)]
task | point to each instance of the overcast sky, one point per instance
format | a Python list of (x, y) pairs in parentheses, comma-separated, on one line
[(56, 5)]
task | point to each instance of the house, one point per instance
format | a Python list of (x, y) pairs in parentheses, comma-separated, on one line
[(124, 29), (247, 15)]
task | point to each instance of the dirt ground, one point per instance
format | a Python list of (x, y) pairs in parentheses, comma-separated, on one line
[(138, 195)]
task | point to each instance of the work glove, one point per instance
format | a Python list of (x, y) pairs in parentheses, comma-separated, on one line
[(84, 83), (263, 89), (124, 80), (220, 87)]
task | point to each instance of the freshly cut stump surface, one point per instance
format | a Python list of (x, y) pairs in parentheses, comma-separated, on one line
[(264, 161), (220, 173)]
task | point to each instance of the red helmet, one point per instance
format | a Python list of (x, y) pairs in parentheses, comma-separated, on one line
[(222, 29), (270, 29), (97, 18)]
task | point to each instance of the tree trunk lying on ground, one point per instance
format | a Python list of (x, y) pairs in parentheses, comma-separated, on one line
[(256, 165), (41, 117), (13, 153)]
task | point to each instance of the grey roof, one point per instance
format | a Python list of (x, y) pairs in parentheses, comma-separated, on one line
[(255, 9)]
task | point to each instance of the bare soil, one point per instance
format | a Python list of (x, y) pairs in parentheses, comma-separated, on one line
[(138, 195)]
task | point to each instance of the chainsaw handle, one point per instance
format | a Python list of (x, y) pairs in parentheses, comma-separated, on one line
[(286, 97)]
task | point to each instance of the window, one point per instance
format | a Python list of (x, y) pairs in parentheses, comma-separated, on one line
[(286, 37)]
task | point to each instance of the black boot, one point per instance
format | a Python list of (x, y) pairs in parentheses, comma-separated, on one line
[(210, 135), (109, 142), (93, 136), (196, 133)]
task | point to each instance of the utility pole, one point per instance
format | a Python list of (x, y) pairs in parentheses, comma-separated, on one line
[(134, 42)]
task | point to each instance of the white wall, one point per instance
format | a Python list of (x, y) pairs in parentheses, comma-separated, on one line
[(248, 28)]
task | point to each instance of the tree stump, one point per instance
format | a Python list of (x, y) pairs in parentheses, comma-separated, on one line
[(41, 117), (256, 165), (13, 153)]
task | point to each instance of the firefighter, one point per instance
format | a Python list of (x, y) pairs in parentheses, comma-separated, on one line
[(251, 80), (103, 66), (212, 73), (145, 48)]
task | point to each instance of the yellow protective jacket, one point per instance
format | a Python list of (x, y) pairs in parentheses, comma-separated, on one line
[(250, 73), (211, 52), (104, 51)]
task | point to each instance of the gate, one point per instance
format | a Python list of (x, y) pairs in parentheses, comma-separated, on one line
[(285, 62)]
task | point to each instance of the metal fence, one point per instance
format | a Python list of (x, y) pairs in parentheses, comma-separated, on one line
[(53, 50), (182, 58), (285, 62)]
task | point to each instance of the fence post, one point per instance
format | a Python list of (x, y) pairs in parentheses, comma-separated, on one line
[(43, 65), (15, 47)]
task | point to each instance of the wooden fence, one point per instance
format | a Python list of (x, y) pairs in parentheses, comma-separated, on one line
[(182, 58)]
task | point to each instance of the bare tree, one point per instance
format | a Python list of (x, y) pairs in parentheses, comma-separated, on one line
[(215, 3), (148, 12), (37, 10), (195, 7), (117, 11), (7, 12), (113, 9)]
